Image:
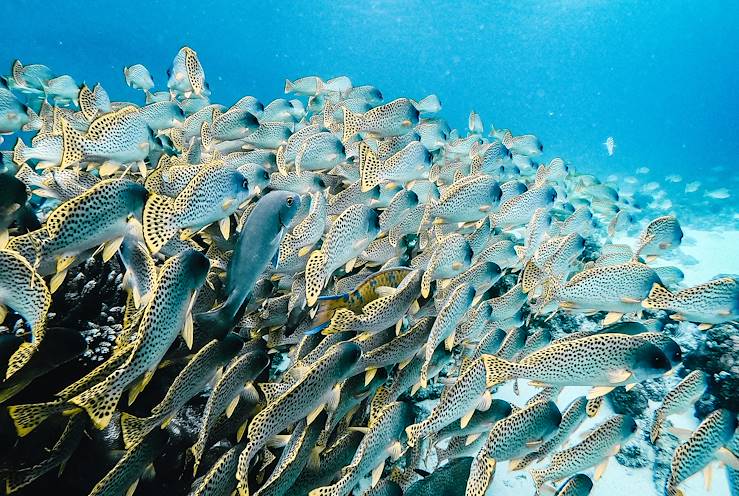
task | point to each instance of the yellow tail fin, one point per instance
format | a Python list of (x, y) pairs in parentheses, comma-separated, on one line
[(159, 222), (72, 145)]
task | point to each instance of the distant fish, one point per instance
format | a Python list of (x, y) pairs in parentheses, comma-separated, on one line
[(673, 178), (642, 170), (692, 187), (718, 194), (610, 145)]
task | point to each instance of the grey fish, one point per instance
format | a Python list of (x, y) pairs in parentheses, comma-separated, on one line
[(709, 303), (264, 227)]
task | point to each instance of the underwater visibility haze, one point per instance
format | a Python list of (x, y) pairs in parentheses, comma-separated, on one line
[(380, 248)]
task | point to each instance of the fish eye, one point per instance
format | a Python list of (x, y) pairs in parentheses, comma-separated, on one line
[(245, 183), (289, 201)]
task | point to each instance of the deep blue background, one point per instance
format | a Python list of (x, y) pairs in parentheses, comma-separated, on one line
[(662, 78)]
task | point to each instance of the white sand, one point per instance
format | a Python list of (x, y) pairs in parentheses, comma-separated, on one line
[(714, 252)]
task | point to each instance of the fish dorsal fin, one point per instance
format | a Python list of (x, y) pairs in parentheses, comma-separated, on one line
[(17, 73), (100, 127), (206, 138), (273, 390), (351, 125), (72, 144), (280, 160), (369, 167), (19, 358), (87, 103), (159, 226), (315, 276)]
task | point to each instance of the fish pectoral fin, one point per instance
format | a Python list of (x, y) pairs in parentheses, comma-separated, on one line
[(466, 418), (534, 443), (225, 227), (704, 326), (332, 398), (708, 477), (232, 406), (612, 317), (383, 291), (139, 386), (472, 438), (600, 469), (599, 391), (395, 451), (360, 429), (485, 401), (278, 441), (314, 414), (188, 331), (350, 264), (618, 376), (449, 341), (57, 280), (727, 457), (369, 374), (680, 432), (627, 299), (132, 488), (240, 431), (377, 473)]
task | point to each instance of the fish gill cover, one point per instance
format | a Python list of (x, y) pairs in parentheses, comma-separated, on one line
[(330, 293)]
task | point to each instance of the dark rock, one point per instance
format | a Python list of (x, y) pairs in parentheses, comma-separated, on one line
[(632, 402)]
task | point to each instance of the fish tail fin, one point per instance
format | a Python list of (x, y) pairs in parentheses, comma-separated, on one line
[(659, 297), (27, 417), (369, 167), (134, 429), (289, 86), (159, 221), (341, 321), (19, 358), (351, 125), (100, 400), (19, 152), (654, 433), (498, 370), (315, 276), (327, 306), (72, 145), (414, 432), (430, 104), (531, 277), (25, 173), (481, 473), (538, 477), (378, 401)]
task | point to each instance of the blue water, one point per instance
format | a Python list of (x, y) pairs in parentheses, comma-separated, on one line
[(660, 77)]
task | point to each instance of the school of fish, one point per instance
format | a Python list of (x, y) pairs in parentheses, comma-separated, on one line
[(305, 269)]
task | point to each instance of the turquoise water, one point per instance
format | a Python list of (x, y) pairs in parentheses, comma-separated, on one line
[(657, 76)]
